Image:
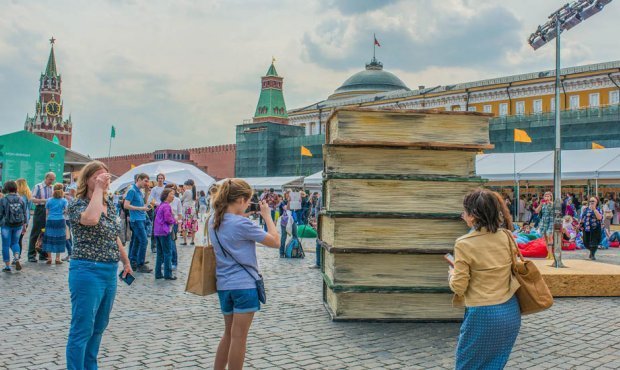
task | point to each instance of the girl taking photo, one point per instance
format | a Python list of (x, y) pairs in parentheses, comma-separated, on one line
[(234, 239)]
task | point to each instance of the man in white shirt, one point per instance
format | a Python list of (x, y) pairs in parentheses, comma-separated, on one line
[(155, 196)]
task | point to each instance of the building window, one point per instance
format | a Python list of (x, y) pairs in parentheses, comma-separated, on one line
[(520, 108), (487, 108), (614, 97), (503, 109), (594, 100), (552, 109), (471, 109), (574, 102), (538, 106)]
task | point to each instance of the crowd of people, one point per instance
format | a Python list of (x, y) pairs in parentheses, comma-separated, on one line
[(586, 224)]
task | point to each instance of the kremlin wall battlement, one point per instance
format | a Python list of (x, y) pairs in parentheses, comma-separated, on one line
[(218, 160)]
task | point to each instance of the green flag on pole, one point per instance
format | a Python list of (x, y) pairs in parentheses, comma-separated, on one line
[(55, 140), (113, 132)]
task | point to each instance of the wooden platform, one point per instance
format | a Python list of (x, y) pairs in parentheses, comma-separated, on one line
[(581, 278)]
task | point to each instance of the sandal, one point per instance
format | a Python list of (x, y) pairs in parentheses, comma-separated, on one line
[(48, 262), (58, 262)]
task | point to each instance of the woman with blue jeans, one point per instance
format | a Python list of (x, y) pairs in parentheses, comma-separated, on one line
[(12, 223), (162, 229), (93, 268), (234, 239)]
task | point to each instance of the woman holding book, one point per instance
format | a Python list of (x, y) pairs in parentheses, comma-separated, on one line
[(482, 279), (234, 239)]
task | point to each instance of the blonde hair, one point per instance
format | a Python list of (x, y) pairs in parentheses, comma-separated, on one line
[(228, 192), (59, 190), (87, 172), (23, 189)]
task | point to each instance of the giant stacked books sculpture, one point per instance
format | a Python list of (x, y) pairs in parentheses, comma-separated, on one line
[(393, 189)]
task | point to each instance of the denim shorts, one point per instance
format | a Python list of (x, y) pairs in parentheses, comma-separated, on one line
[(238, 301)]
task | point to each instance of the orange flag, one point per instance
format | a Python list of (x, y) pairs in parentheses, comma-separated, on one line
[(597, 146), (305, 151), (522, 137)]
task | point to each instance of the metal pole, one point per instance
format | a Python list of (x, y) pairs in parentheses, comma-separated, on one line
[(557, 154), (515, 195)]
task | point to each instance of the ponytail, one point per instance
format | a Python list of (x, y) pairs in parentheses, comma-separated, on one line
[(229, 192)]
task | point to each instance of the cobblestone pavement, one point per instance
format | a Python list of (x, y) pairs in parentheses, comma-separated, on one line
[(156, 325)]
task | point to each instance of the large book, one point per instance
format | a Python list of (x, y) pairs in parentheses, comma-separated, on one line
[(430, 195), (391, 233), (397, 160), (402, 128), (428, 272), (391, 306)]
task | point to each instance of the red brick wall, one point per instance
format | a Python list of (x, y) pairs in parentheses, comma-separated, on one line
[(219, 159), (120, 164)]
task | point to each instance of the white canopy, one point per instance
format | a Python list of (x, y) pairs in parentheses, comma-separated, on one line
[(576, 165), (278, 183), (176, 172), (316, 179)]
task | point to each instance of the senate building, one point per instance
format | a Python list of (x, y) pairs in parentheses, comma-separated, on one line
[(270, 144)]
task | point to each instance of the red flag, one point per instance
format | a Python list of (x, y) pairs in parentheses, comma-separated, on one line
[(377, 42)]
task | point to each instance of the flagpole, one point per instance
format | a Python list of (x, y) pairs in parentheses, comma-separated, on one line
[(374, 45), (515, 200), (110, 146)]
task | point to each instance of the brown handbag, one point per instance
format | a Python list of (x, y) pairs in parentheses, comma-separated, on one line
[(533, 294), (201, 279)]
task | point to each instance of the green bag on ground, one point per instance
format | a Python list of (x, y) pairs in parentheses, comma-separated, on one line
[(306, 231)]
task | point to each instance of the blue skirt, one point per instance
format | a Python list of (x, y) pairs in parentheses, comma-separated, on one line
[(55, 236), (487, 335)]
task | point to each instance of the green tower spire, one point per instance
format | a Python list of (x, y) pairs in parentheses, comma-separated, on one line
[(271, 106), (50, 70)]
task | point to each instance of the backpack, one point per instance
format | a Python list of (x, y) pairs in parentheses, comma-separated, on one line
[(294, 249), (15, 212)]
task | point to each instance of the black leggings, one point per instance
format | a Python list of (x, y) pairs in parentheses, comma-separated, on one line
[(592, 239)]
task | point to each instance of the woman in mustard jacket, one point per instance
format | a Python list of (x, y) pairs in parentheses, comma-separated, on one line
[(482, 279)]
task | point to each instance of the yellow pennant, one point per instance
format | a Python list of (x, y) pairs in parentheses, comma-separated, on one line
[(305, 151), (522, 137), (597, 146)]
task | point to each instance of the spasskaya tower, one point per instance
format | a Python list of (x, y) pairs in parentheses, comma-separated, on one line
[(48, 117)]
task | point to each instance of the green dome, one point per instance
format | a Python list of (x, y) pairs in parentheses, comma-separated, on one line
[(373, 79)]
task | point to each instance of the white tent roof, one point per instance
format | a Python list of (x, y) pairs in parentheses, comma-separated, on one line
[(316, 179), (260, 183), (576, 165), (176, 172)]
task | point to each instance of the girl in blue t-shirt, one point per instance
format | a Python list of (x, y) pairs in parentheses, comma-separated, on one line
[(55, 236), (234, 238)]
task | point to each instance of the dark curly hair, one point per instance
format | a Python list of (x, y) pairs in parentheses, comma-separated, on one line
[(487, 210)]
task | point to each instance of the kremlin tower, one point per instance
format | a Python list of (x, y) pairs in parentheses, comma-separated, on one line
[(48, 117), (271, 107)]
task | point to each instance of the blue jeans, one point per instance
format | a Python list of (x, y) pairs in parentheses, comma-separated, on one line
[(93, 288), (10, 241), (140, 241), (318, 253), (164, 256)]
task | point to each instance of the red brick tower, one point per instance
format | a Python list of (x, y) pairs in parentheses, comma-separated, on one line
[(47, 121)]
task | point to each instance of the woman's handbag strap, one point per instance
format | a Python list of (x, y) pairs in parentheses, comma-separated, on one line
[(227, 253)]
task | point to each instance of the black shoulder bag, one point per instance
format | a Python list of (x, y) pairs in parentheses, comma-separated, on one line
[(260, 284)]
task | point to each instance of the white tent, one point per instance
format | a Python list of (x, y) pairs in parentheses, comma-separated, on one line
[(176, 172), (590, 164), (314, 182), (277, 183)]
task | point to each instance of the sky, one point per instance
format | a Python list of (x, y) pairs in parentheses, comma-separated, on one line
[(181, 74)]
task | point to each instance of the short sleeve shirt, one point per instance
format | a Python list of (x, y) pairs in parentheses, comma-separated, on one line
[(42, 191), (136, 199), (239, 236), (56, 208), (94, 243), (590, 222)]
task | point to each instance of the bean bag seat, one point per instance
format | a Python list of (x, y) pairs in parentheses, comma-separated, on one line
[(306, 231), (614, 244), (568, 246), (534, 249)]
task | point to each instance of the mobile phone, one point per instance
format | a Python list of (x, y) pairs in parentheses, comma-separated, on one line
[(128, 279), (449, 258)]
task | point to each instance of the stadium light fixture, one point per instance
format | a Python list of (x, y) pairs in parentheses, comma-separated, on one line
[(563, 19)]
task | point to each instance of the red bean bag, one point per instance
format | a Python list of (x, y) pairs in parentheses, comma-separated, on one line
[(614, 245), (568, 246), (535, 249)]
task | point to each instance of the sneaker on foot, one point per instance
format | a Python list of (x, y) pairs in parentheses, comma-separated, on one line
[(174, 267), (6, 269), (66, 258), (144, 269), (18, 265)]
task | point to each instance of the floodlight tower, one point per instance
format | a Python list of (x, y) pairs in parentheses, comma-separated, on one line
[(561, 20)]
